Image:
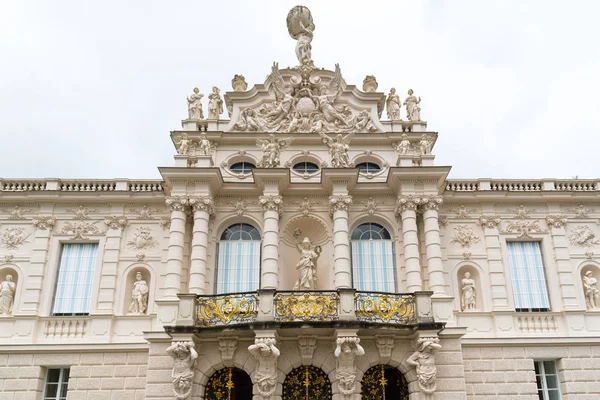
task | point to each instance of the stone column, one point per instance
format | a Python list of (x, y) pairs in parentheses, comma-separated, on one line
[(433, 246), (270, 251), (407, 206), (176, 241), (203, 209), (342, 269)]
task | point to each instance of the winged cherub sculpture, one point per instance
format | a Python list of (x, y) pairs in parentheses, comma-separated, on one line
[(271, 149), (338, 149)]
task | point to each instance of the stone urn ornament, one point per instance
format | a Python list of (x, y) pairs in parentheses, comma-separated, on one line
[(370, 84), (238, 83)]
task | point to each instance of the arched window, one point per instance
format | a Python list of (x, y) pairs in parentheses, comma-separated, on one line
[(368, 167), (238, 268), (243, 167), (373, 259), (306, 167), (384, 382), (229, 383)]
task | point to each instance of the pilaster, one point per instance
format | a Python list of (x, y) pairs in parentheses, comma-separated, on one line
[(202, 207), (407, 207), (490, 223), (339, 203), (178, 207)]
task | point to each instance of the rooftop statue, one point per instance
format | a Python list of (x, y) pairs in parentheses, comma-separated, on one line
[(301, 27)]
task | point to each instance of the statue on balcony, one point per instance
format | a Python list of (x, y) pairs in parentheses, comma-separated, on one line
[(592, 292), (424, 361), (403, 148), (413, 111), (271, 148), (215, 104), (467, 300), (139, 295), (301, 27), (184, 145), (392, 105), (346, 351), (206, 147), (307, 266), (184, 357), (338, 149), (265, 375), (195, 105), (7, 295)]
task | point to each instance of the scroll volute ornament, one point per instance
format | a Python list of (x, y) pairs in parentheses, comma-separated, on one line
[(177, 203), (339, 202), (202, 203), (271, 203)]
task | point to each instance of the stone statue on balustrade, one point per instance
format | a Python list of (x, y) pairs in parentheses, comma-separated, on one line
[(425, 145), (338, 149), (7, 295), (271, 150), (413, 111), (590, 285), (139, 295), (215, 104), (346, 351), (392, 105), (301, 27), (424, 362), (195, 105), (265, 374), (403, 148), (468, 298), (184, 145), (307, 266), (206, 147), (184, 357)]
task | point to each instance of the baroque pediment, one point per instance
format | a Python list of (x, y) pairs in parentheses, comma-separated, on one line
[(305, 99)]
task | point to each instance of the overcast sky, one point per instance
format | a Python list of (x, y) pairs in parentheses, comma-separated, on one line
[(92, 89)]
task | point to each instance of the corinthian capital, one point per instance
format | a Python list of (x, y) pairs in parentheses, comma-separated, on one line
[(432, 202), (177, 203), (271, 202), (407, 203), (339, 202), (202, 203)]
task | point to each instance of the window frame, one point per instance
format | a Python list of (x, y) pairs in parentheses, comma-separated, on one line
[(542, 374), (59, 383), (304, 171), (217, 256), (512, 277), (95, 279), (367, 171), (393, 247), (243, 163)]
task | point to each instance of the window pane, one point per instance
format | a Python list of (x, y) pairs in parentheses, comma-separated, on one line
[(53, 375), (63, 390), (552, 381), (553, 395), (51, 391), (238, 268), (549, 367)]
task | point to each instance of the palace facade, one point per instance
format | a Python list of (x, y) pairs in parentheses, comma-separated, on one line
[(304, 247)]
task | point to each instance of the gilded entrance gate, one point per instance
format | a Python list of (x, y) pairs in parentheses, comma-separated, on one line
[(229, 384), (307, 383), (382, 382)]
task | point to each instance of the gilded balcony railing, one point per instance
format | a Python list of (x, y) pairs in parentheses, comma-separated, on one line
[(298, 306), (227, 309), (283, 307), (385, 307)]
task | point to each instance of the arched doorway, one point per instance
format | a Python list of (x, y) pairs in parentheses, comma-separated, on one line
[(229, 384), (307, 383), (382, 382)]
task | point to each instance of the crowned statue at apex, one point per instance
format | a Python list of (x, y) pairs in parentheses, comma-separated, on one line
[(306, 99)]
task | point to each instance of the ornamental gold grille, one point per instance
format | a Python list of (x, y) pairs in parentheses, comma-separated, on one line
[(227, 309), (229, 384), (385, 308), (307, 383), (306, 306), (383, 382)]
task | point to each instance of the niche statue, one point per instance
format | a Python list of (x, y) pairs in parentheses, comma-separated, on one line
[(307, 266)]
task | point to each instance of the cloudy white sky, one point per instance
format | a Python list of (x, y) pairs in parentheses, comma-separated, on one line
[(92, 89)]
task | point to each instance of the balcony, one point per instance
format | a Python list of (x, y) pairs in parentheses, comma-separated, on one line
[(292, 309)]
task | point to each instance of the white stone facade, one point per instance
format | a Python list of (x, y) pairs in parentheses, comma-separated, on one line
[(446, 235)]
